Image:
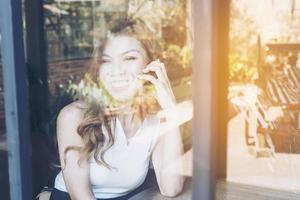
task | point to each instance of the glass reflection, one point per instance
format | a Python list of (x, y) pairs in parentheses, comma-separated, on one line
[(137, 81)]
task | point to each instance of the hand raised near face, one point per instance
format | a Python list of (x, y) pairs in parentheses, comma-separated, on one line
[(155, 73)]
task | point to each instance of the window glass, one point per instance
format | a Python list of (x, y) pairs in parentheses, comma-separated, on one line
[(78, 32), (263, 128)]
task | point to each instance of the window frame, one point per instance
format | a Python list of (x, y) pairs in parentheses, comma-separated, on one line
[(16, 100), (210, 71)]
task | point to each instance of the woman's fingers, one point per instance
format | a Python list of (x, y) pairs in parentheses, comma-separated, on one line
[(158, 68), (147, 77), (157, 71), (164, 93), (155, 63)]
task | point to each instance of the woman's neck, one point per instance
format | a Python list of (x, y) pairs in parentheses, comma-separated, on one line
[(130, 121)]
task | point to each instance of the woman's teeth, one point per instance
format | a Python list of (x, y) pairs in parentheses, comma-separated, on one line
[(119, 83)]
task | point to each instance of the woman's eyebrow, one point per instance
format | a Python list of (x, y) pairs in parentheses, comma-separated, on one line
[(125, 52), (131, 50)]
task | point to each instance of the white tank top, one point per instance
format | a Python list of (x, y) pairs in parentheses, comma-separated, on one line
[(128, 158)]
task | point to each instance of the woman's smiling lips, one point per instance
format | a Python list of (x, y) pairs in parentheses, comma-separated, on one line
[(119, 84)]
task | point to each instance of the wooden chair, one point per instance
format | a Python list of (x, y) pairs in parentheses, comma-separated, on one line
[(282, 93)]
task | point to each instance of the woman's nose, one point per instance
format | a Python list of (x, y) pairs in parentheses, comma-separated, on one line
[(117, 68)]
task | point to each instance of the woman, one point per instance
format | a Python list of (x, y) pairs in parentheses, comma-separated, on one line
[(105, 150)]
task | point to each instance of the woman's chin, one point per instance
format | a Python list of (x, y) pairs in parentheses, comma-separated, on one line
[(125, 95), (122, 98)]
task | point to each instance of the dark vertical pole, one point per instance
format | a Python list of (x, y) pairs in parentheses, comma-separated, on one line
[(210, 84), (16, 100), (37, 65), (203, 138)]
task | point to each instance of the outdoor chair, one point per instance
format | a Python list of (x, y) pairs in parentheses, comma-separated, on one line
[(274, 112), (283, 91)]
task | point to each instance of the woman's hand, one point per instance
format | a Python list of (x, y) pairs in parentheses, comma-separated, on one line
[(164, 93)]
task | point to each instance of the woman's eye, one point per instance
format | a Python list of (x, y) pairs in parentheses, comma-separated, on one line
[(130, 58), (105, 60)]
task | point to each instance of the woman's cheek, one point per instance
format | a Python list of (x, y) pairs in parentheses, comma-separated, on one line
[(137, 67), (104, 78)]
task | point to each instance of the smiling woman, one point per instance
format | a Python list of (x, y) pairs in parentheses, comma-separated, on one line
[(120, 65), (106, 147)]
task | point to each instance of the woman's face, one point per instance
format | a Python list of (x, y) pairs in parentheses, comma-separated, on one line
[(122, 60)]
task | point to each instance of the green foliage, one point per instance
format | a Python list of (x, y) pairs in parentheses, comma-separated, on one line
[(176, 47), (243, 45), (241, 70)]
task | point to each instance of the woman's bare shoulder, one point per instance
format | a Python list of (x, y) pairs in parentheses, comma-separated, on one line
[(67, 123), (72, 112)]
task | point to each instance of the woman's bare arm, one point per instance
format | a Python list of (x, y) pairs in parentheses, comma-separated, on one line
[(167, 150), (76, 177), (168, 147)]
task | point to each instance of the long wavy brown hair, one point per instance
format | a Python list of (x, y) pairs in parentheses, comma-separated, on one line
[(97, 139)]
